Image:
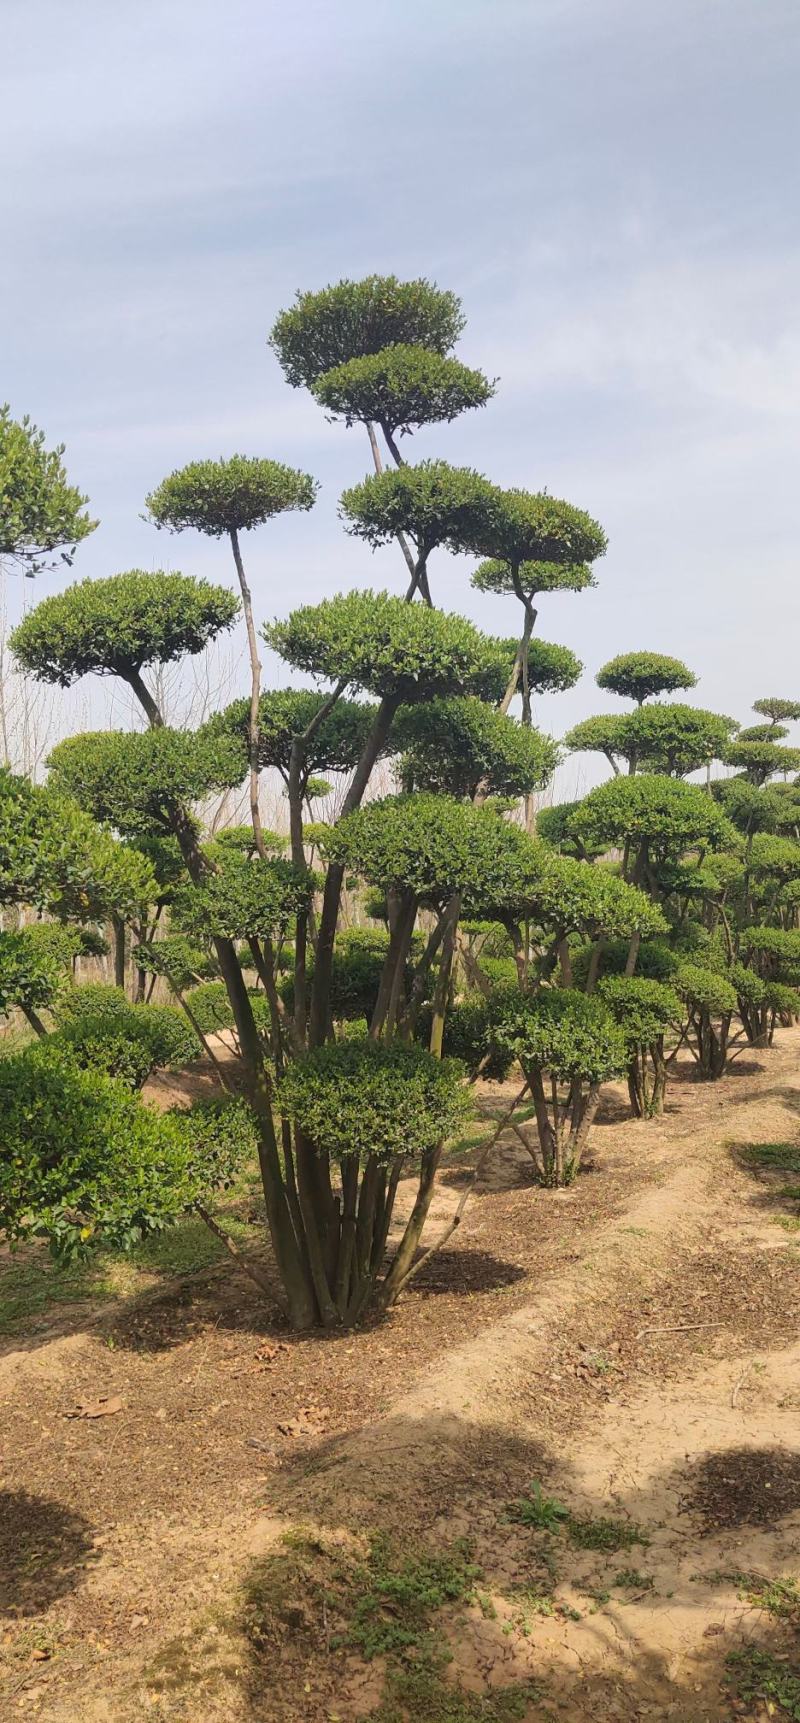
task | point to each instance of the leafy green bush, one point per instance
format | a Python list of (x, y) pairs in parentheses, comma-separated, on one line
[(35, 965), (41, 512), (370, 1098), (133, 779), (644, 1010), (465, 1035), (84, 1162), (575, 1040), (212, 1011), (118, 625), (105, 1033), (245, 898)]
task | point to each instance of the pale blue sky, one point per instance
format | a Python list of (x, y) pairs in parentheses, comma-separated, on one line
[(612, 187)]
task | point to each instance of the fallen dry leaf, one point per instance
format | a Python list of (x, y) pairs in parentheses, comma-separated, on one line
[(105, 1407), (307, 1421)]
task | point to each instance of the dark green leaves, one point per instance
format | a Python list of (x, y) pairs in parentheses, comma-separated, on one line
[(116, 626), (404, 651), (39, 511), (558, 1030), (432, 501), (367, 1098), (352, 318), (639, 675), (135, 779), (400, 388), (217, 497), (453, 746)]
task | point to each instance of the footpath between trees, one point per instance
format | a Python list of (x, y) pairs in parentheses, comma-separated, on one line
[(563, 1480)]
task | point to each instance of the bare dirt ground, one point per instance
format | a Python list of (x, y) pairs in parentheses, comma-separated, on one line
[(631, 1345)]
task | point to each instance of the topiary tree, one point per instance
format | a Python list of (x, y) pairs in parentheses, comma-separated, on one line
[(535, 543), (463, 747), (778, 711), (40, 512), (760, 761), (644, 1010), (373, 1108), (102, 1032), (431, 503), (561, 1035), (674, 739), (711, 1001), (401, 388), (640, 676), (353, 318), (119, 626), (223, 499)]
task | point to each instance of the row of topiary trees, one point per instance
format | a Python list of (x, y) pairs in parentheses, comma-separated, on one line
[(653, 914)]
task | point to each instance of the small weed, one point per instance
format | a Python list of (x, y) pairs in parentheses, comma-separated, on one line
[(784, 1156), (588, 1533), (777, 1597), (422, 1695), (756, 1674), (630, 1579), (789, 1222), (791, 1193), (547, 1513)]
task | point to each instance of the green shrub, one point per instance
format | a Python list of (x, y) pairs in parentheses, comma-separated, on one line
[(84, 1162), (105, 1033), (369, 1098), (465, 1032)]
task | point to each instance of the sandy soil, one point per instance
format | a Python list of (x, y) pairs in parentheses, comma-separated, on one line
[(631, 1344)]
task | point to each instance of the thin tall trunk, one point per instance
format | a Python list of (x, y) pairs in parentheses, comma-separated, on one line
[(255, 695)]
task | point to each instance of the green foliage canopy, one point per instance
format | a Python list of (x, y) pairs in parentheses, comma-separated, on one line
[(433, 502), (560, 1031), (365, 1098), (117, 626), (451, 746), (665, 812), (639, 675), (402, 651), (225, 496), (400, 388), (133, 779), (328, 328), (40, 512), (284, 713)]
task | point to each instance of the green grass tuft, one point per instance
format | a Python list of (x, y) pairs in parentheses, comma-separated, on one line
[(756, 1674), (784, 1156)]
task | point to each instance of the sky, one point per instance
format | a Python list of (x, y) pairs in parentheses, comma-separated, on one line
[(611, 186)]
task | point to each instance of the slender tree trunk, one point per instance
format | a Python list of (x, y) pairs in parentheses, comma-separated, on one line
[(255, 695)]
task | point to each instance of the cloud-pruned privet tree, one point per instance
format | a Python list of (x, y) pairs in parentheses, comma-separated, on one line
[(645, 1010), (397, 652), (223, 499), (573, 1041), (673, 739), (42, 516), (642, 676), (778, 711)]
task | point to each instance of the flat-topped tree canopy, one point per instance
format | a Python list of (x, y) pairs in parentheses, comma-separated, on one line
[(432, 846), (225, 496), (133, 779), (763, 733), (673, 739), (435, 503), (115, 627), (403, 652), (41, 513), (761, 760), (284, 713), (780, 711), (664, 812), (551, 668), (451, 747), (352, 318), (531, 578), (533, 527), (401, 388), (641, 675)]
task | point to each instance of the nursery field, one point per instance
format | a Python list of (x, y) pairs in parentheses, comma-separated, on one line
[(559, 1480)]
